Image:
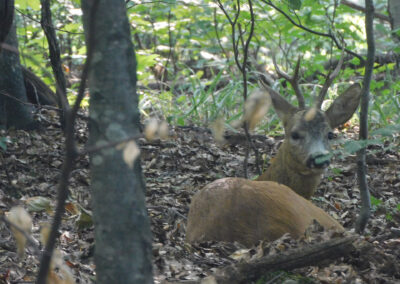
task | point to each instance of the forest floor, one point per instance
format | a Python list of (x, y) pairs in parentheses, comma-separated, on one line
[(174, 170)]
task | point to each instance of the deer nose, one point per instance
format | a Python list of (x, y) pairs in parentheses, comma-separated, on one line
[(319, 160)]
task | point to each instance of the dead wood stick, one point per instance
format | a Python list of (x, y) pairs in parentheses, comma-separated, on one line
[(312, 255)]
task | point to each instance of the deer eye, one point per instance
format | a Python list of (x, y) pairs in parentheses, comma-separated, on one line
[(295, 135), (331, 135)]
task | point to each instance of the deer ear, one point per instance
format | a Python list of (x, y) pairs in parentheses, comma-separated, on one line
[(344, 106), (283, 108)]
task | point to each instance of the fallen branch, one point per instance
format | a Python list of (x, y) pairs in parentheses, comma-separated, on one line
[(301, 257)]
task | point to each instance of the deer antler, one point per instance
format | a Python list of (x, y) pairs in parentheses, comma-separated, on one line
[(293, 80), (328, 81)]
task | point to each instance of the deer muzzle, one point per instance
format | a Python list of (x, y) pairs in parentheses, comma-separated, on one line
[(319, 161)]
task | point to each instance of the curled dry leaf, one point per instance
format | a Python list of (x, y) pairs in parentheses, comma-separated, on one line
[(241, 255), (163, 130), (155, 129), (256, 107), (218, 130), (131, 153), (21, 219), (151, 129)]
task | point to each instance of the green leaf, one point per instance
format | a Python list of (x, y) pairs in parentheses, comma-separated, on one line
[(180, 121), (38, 204), (353, 146), (72, 27), (295, 4), (3, 142), (336, 171), (24, 4), (84, 219), (181, 99), (145, 60), (375, 201), (387, 131)]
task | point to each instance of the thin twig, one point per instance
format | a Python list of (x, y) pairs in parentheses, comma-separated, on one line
[(97, 148), (217, 34), (37, 21), (329, 35), (41, 106), (365, 211)]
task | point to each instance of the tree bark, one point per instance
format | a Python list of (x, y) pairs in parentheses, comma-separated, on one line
[(394, 13), (122, 230), (14, 112), (6, 19)]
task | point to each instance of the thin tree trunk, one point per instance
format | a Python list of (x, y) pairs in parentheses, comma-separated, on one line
[(365, 211), (122, 230), (394, 13)]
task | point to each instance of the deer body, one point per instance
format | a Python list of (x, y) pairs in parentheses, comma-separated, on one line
[(234, 209)]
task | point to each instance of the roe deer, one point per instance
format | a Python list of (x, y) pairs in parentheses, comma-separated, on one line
[(236, 209)]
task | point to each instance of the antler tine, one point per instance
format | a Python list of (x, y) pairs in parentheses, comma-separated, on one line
[(293, 80), (329, 80)]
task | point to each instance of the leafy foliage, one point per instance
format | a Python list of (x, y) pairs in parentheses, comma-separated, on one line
[(186, 65)]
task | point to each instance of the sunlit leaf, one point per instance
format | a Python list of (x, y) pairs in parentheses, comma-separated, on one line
[(131, 153)]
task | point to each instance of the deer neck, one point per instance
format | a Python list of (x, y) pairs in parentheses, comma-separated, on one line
[(285, 170)]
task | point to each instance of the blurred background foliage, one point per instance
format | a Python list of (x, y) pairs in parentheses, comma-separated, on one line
[(186, 64)]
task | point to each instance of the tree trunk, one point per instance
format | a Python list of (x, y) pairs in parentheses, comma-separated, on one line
[(14, 112), (122, 230), (394, 13)]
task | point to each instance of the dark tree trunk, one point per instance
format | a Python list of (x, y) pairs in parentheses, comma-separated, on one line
[(14, 112), (394, 13), (122, 231), (6, 19)]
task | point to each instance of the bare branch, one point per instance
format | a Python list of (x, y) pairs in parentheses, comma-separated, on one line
[(365, 211), (329, 80), (217, 33), (299, 25), (362, 9), (293, 80), (233, 35)]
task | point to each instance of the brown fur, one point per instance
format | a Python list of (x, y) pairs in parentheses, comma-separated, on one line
[(285, 170), (235, 209)]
